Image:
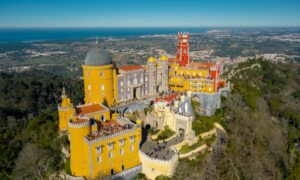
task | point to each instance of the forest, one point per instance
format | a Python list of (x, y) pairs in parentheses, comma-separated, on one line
[(29, 141)]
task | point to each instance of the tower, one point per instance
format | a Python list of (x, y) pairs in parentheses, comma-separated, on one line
[(152, 75), (165, 73), (98, 75), (182, 56), (78, 130), (65, 111)]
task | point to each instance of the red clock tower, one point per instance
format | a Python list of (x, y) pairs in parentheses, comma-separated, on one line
[(182, 56)]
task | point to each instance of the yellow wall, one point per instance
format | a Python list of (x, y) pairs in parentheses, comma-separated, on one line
[(153, 168), (181, 84), (179, 79), (97, 116), (65, 112), (129, 159), (193, 72), (84, 156), (94, 78), (78, 149)]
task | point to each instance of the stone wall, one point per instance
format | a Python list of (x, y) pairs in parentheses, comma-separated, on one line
[(154, 167)]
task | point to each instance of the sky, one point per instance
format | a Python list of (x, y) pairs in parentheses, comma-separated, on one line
[(148, 13)]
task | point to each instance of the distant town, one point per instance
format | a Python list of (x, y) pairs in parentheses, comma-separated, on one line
[(232, 45)]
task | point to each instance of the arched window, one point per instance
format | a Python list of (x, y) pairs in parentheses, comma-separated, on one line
[(102, 117)]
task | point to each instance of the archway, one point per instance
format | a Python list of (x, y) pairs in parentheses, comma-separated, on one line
[(148, 126), (181, 128), (127, 110)]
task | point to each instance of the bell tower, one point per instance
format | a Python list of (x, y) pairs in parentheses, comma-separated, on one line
[(182, 56)]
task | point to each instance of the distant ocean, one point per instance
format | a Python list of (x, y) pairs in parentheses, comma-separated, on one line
[(44, 34)]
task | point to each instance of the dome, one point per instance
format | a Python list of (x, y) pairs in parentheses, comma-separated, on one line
[(151, 59), (97, 57), (139, 122), (164, 58)]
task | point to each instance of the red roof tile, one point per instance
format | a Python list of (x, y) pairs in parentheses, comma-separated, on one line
[(168, 98), (85, 109), (172, 60), (131, 68)]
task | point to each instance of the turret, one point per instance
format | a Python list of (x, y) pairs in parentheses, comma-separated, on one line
[(182, 55), (165, 73), (152, 75), (65, 111), (98, 74), (78, 155)]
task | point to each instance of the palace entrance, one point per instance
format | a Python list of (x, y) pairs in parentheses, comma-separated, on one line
[(136, 92)]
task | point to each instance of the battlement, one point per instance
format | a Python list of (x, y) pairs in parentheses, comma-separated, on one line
[(111, 129), (80, 123), (183, 35)]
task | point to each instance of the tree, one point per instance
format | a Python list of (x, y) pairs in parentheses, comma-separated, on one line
[(32, 163)]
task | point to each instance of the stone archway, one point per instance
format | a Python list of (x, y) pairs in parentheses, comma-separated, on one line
[(127, 109), (181, 128)]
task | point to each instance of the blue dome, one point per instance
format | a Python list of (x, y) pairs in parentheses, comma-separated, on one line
[(97, 57)]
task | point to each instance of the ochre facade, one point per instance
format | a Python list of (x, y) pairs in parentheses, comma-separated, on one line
[(102, 143)]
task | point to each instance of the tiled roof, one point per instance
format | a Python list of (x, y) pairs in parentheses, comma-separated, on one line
[(172, 60), (131, 68), (85, 109)]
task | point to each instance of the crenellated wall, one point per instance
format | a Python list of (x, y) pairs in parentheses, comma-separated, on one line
[(153, 167)]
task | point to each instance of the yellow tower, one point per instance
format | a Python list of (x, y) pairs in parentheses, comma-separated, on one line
[(99, 77), (79, 162), (65, 111)]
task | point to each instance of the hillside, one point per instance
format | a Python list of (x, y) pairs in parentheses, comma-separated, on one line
[(29, 142), (262, 118)]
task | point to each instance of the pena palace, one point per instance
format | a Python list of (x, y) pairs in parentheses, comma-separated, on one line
[(104, 143)]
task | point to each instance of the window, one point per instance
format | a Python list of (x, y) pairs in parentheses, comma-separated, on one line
[(122, 151), (142, 80), (110, 146), (110, 155), (121, 83), (122, 142), (99, 149), (135, 81), (99, 159), (146, 78), (128, 82), (132, 139), (102, 87), (101, 74), (102, 117), (131, 148), (89, 87)]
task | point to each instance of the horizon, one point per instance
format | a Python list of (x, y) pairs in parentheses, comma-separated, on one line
[(148, 14), (149, 27)]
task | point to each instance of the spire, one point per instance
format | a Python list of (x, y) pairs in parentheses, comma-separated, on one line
[(63, 93)]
